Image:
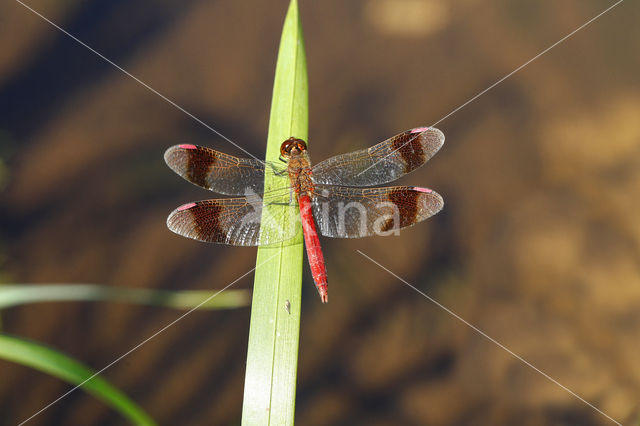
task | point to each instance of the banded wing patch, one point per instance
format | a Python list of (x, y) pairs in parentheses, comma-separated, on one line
[(343, 212), (382, 163), (234, 221), (216, 171)]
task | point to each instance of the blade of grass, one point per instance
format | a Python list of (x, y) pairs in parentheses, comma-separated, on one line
[(59, 365), (272, 358), (18, 294)]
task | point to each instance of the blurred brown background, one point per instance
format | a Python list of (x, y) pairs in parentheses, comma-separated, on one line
[(538, 244)]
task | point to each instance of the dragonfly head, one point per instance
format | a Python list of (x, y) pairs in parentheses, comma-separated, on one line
[(292, 146)]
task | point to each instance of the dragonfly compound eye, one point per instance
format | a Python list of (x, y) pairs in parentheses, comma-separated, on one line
[(291, 143), (285, 148)]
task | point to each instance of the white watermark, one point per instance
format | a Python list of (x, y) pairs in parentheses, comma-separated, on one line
[(280, 219)]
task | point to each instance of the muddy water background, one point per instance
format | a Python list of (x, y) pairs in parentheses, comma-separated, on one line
[(538, 244)]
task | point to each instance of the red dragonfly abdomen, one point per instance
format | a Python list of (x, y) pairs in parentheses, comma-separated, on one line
[(314, 251)]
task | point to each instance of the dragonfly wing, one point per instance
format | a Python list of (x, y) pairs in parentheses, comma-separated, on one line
[(216, 171), (344, 212), (382, 163), (235, 221)]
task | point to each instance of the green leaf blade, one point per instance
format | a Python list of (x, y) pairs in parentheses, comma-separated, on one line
[(270, 382), (19, 294), (59, 365)]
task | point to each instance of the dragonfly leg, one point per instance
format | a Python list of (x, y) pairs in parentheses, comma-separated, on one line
[(278, 172)]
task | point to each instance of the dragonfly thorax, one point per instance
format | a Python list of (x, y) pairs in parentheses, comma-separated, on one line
[(294, 151)]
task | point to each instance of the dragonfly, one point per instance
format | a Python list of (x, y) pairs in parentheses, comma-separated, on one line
[(334, 198)]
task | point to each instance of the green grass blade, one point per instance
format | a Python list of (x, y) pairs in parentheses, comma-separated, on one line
[(18, 294), (59, 365), (272, 359)]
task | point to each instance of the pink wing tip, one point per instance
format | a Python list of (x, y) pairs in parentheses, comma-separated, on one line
[(427, 190), (186, 206), (187, 146), (420, 129)]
